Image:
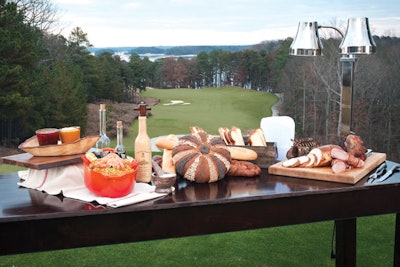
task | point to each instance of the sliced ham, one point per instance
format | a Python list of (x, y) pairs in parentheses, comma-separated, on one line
[(303, 160), (316, 156), (312, 161), (355, 162), (347, 158), (291, 163), (323, 154), (327, 155), (338, 166), (339, 153)]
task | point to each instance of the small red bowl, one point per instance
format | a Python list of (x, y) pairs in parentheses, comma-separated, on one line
[(47, 136), (109, 185)]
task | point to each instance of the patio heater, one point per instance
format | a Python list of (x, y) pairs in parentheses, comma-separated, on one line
[(357, 41)]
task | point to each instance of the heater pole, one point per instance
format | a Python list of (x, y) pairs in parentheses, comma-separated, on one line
[(346, 105)]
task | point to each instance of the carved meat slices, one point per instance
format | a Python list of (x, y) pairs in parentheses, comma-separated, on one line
[(323, 155), (353, 161), (291, 163), (327, 155), (338, 166), (317, 157)]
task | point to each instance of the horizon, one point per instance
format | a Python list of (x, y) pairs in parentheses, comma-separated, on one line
[(172, 46)]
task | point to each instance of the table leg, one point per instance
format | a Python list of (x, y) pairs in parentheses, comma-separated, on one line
[(396, 257), (346, 243)]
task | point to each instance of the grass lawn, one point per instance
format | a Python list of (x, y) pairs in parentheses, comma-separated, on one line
[(299, 245), (208, 108)]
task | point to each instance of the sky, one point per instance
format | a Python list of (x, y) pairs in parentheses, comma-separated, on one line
[(122, 23)]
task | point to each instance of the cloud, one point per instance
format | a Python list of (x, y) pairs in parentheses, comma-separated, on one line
[(75, 2), (133, 5), (197, 22)]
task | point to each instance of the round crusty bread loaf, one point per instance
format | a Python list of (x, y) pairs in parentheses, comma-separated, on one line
[(201, 158)]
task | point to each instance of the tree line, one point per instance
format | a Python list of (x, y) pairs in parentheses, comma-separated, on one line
[(46, 79), (168, 50)]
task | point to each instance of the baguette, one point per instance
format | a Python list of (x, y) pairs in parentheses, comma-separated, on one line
[(168, 142), (242, 153), (238, 153), (167, 164)]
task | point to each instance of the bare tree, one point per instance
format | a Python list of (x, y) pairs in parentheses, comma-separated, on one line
[(312, 96), (377, 98), (41, 14)]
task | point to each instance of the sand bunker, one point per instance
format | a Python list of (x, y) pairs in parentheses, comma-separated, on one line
[(176, 102)]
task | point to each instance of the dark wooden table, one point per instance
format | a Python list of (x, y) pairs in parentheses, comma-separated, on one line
[(34, 221)]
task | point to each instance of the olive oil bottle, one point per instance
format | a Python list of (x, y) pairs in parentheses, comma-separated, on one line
[(103, 141), (120, 148)]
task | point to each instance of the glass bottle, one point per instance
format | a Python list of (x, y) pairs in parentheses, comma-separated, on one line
[(143, 147), (103, 141), (120, 149)]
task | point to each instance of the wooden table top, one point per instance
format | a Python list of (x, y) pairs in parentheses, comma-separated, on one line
[(234, 203)]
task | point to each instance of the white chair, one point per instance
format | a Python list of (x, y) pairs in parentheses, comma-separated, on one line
[(281, 130)]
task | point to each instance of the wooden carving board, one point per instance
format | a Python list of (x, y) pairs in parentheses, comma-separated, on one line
[(29, 161), (325, 173)]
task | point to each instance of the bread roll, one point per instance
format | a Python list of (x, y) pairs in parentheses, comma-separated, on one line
[(243, 168)]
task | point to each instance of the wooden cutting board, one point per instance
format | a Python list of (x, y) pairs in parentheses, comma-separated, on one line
[(29, 161), (325, 173)]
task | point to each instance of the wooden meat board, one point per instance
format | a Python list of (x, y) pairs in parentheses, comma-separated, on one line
[(29, 161), (325, 173)]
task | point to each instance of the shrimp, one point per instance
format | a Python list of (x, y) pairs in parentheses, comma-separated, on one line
[(111, 160)]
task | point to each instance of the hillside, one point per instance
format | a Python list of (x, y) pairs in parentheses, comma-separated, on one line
[(117, 111)]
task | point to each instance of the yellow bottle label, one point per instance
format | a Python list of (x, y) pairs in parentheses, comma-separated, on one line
[(144, 167)]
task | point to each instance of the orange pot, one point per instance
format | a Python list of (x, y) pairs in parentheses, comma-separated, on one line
[(109, 185)]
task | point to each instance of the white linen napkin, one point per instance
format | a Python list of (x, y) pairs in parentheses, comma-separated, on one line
[(69, 181), (53, 180)]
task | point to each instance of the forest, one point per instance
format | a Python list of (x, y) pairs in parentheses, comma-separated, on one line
[(47, 79), (168, 50)]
